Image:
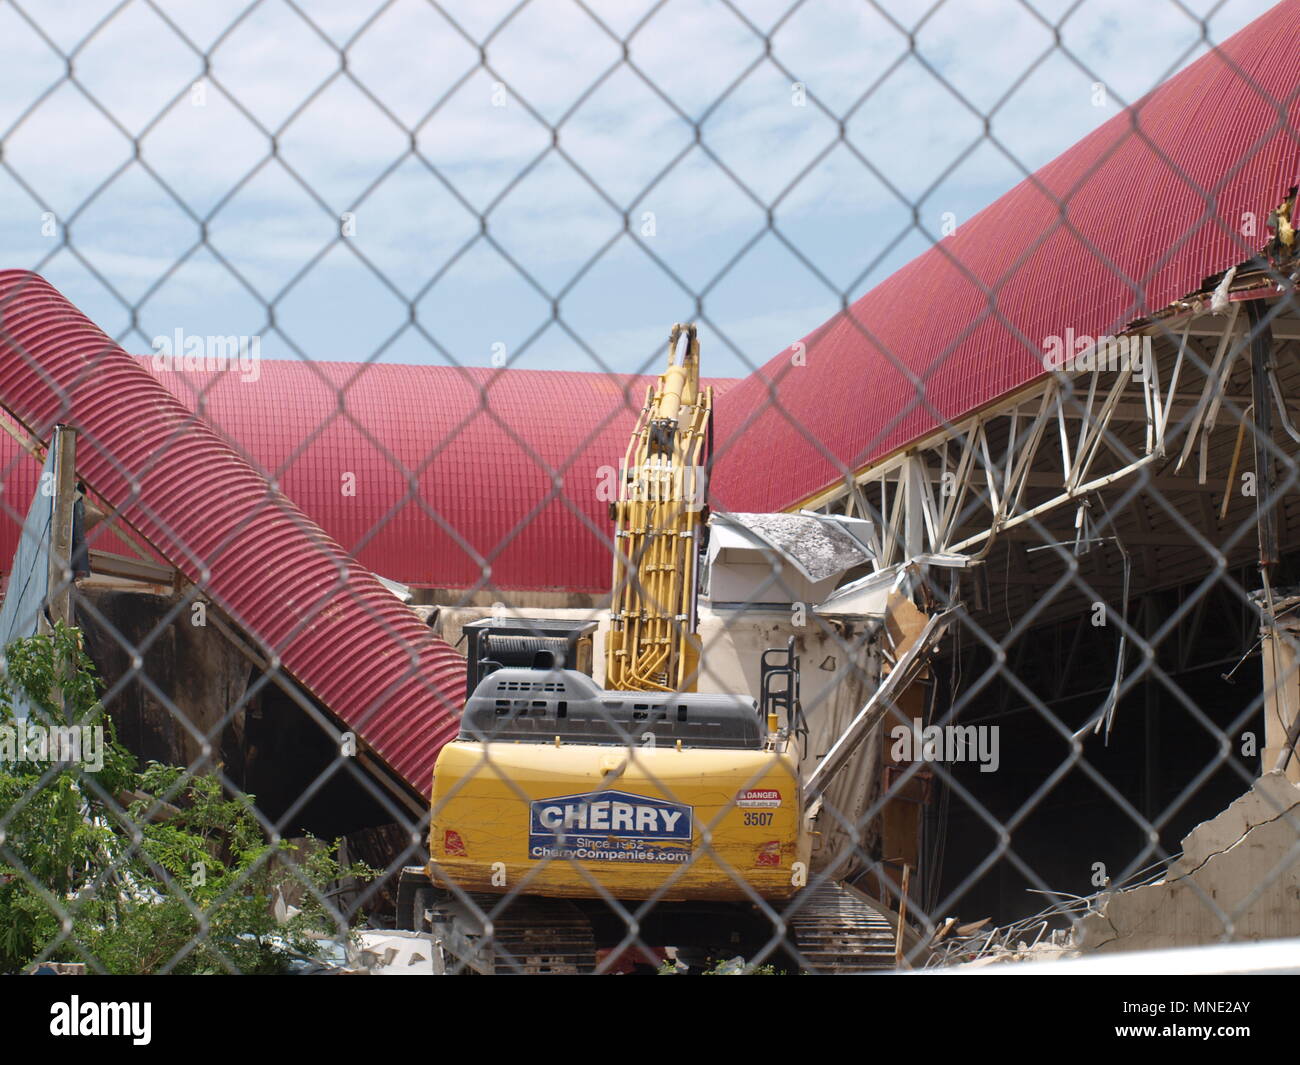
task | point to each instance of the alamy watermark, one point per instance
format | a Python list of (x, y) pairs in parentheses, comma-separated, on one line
[(182, 351), (30, 741), (1082, 353), (655, 481), (133, 1020), (947, 743)]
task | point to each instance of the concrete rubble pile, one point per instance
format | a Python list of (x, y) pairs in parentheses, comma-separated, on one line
[(1237, 879)]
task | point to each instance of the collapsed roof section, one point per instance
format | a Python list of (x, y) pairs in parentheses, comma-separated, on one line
[(313, 610), (466, 477)]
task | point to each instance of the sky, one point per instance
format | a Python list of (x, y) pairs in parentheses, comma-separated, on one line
[(544, 184)]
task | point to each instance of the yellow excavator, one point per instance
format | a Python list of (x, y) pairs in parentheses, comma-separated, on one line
[(560, 794)]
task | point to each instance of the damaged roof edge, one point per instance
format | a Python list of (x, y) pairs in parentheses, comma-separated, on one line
[(313, 609)]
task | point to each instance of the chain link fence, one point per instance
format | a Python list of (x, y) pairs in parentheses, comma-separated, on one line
[(992, 577)]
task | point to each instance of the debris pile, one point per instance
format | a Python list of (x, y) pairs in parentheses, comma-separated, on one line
[(1237, 879)]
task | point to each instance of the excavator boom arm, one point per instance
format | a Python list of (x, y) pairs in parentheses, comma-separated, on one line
[(659, 526)]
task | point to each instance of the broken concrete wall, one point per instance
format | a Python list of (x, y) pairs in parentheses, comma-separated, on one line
[(189, 681), (191, 667), (1238, 878)]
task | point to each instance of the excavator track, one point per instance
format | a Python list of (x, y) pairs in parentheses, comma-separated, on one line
[(836, 931), (538, 936), (532, 936), (831, 930)]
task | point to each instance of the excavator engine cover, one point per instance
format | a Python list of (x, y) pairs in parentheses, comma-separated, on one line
[(555, 785)]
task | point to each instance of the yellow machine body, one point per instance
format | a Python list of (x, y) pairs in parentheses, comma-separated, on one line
[(679, 824)]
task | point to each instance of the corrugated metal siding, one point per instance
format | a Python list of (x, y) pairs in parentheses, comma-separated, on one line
[(1153, 204), (334, 627)]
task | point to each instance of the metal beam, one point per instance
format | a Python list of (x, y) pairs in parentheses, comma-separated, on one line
[(64, 490), (906, 669)]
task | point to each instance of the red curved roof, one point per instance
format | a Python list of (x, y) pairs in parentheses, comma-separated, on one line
[(335, 628), (1128, 220), (464, 478), (460, 478)]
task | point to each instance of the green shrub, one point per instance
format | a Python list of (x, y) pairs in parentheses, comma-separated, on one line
[(138, 871)]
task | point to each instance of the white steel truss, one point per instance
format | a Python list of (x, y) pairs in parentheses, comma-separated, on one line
[(1053, 443)]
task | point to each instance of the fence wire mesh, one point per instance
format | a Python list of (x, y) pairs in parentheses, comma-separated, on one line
[(990, 581)]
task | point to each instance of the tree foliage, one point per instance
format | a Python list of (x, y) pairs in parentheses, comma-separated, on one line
[(139, 870)]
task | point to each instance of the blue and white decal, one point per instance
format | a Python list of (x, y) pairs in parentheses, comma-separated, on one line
[(610, 826)]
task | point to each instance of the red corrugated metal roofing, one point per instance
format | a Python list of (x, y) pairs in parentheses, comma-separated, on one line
[(452, 468), (474, 478), (1128, 220), (333, 625)]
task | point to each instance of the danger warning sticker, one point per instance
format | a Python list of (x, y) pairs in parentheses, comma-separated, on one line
[(759, 798)]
